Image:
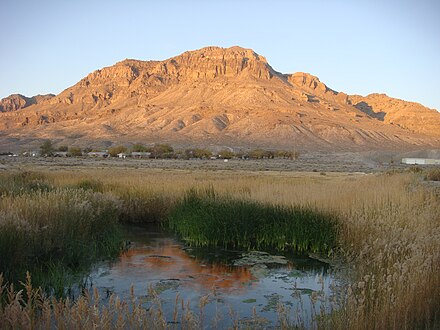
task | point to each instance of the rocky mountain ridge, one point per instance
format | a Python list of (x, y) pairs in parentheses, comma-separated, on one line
[(17, 101), (217, 96)]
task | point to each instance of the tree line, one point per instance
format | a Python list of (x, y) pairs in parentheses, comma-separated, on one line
[(164, 151)]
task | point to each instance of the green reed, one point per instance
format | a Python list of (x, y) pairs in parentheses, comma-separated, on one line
[(55, 231), (205, 219)]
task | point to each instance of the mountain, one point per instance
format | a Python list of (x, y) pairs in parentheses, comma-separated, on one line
[(218, 96), (17, 101)]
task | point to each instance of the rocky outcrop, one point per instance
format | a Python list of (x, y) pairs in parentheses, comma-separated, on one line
[(408, 115), (17, 101)]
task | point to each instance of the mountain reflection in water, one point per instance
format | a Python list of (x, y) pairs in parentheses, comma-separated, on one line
[(164, 259), (158, 260)]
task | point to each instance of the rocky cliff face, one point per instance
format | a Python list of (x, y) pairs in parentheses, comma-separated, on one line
[(221, 96), (17, 101), (407, 115)]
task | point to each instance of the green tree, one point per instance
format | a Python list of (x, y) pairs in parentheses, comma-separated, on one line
[(226, 154), (47, 148), (75, 152), (256, 154), (63, 148), (138, 147), (114, 151), (197, 153), (162, 151)]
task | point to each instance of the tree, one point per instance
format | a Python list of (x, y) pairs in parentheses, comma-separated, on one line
[(256, 154), (197, 153), (226, 154), (75, 152), (138, 147), (162, 151), (114, 151), (47, 148), (63, 148)]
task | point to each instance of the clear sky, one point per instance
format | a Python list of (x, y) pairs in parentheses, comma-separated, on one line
[(357, 46)]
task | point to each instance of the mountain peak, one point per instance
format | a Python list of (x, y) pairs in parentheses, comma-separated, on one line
[(235, 51), (219, 96), (213, 62)]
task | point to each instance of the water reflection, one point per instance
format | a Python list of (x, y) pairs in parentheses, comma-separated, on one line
[(165, 259), (159, 261)]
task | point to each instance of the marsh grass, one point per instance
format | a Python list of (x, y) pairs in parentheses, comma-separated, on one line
[(205, 219), (388, 235), (433, 174), (54, 232), (140, 206), (24, 182)]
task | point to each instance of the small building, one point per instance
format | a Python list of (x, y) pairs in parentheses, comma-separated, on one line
[(31, 153), (420, 161), (139, 154), (98, 154), (122, 155), (60, 154)]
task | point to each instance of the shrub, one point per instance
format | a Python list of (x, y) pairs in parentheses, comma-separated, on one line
[(433, 174), (75, 151)]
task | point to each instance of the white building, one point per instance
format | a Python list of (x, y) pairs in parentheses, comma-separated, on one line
[(98, 154), (420, 161)]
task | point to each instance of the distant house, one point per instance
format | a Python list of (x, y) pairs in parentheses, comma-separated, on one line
[(139, 154), (60, 153), (31, 153), (98, 154), (420, 161), (122, 155)]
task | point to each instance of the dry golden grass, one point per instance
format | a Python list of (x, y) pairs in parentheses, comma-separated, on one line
[(389, 232)]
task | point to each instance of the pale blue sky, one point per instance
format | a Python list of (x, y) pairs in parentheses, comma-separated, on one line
[(358, 47)]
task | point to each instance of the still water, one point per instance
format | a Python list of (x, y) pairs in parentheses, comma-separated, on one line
[(229, 288)]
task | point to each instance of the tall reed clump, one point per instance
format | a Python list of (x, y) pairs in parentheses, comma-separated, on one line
[(60, 229), (391, 239), (203, 218), (141, 206)]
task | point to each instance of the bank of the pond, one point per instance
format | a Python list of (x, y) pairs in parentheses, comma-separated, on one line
[(54, 232), (203, 218)]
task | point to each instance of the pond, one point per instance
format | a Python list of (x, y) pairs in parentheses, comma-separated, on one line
[(230, 286)]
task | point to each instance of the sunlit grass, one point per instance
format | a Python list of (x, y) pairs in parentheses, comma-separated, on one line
[(388, 227)]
